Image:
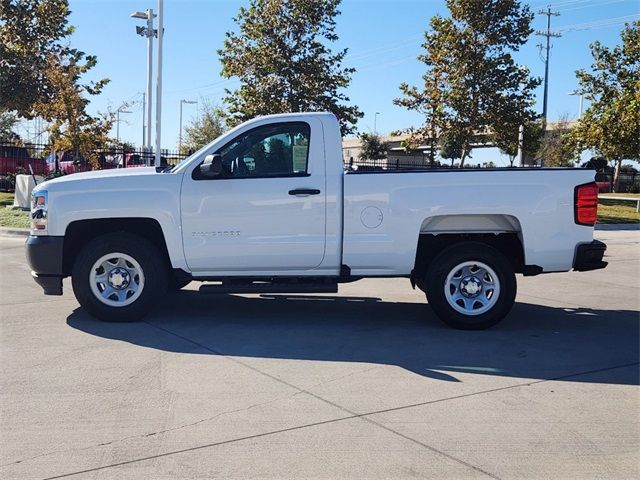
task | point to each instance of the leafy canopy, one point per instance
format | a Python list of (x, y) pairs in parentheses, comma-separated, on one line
[(372, 147), (472, 84), (31, 33), (41, 74), (208, 126), (281, 56), (611, 124)]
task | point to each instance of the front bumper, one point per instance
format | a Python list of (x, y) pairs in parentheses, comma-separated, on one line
[(589, 256), (44, 255)]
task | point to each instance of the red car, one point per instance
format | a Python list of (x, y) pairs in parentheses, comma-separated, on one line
[(15, 160)]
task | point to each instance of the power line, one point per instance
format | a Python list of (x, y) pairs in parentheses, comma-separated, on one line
[(598, 23), (608, 2), (548, 34)]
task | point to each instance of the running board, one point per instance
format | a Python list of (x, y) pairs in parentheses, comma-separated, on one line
[(269, 287)]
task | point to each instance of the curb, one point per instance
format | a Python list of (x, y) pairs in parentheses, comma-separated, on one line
[(617, 226), (14, 232)]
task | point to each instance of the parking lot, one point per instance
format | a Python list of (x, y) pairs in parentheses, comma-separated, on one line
[(364, 384)]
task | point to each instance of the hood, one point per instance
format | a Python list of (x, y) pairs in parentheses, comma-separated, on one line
[(97, 175)]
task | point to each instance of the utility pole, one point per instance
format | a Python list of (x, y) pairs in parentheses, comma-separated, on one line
[(548, 34)]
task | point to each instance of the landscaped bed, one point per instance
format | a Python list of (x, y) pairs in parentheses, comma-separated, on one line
[(618, 211), (11, 218)]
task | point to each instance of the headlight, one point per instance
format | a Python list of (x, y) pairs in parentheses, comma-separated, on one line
[(39, 206)]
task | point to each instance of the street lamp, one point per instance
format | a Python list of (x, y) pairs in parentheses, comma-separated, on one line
[(118, 112), (149, 33), (159, 82), (375, 123), (576, 92), (189, 102)]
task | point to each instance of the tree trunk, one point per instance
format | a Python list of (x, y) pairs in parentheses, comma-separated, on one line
[(463, 157), (616, 175)]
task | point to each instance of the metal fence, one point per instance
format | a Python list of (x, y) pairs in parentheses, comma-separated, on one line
[(626, 180), (42, 160), (400, 163)]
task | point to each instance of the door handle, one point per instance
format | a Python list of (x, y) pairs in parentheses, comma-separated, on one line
[(304, 191)]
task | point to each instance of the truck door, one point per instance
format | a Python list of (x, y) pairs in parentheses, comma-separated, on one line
[(266, 211)]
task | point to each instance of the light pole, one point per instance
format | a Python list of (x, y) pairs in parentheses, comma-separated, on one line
[(118, 112), (576, 92), (159, 82), (375, 123), (148, 32), (144, 111), (190, 102)]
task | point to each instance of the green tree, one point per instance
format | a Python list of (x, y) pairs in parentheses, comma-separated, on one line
[(451, 147), (31, 33), (507, 141), (372, 147), (611, 124), (472, 84), (556, 146), (282, 58), (429, 103), (207, 126), (41, 74), (7, 123), (72, 128)]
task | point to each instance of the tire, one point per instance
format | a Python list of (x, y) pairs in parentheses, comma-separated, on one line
[(129, 267), (471, 286)]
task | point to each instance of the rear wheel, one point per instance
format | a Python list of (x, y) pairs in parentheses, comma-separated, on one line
[(118, 277), (471, 286)]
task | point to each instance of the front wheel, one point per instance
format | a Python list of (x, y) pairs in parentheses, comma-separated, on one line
[(117, 277), (471, 286)]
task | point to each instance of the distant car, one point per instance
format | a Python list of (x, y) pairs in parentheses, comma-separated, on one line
[(604, 182), (14, 159), (66, 162)]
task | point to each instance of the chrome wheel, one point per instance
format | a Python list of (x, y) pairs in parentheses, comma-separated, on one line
[(116, 279), (472, 288)]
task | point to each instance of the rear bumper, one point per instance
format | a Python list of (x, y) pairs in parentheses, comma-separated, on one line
[(44, 254), (589, 256)]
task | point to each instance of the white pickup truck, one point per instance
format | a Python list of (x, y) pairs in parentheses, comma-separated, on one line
[(268, 207)]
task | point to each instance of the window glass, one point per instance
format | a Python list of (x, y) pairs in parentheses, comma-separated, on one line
[(275, 150)]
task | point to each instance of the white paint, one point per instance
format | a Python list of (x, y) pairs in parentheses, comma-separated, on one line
[(269, 232)]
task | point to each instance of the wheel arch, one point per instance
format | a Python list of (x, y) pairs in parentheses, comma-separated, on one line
[(80, 232), (502, 232)]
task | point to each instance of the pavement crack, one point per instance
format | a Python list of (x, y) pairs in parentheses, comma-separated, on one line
[(143, 435), (350, 415)]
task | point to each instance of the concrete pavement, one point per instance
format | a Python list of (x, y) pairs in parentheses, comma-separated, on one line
[(364, 384)]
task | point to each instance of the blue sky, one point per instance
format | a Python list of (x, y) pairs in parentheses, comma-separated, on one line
[(383, 38)]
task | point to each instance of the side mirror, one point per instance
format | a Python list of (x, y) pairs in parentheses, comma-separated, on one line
[(212, 166)]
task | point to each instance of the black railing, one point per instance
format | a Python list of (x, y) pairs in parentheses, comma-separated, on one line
[(39, 158)]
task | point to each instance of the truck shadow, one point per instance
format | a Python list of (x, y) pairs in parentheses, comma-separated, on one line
[(534, 342)]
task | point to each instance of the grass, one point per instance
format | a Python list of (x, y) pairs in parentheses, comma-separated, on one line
[(627, 195), (11, 218), (618, 211), (609, 211)]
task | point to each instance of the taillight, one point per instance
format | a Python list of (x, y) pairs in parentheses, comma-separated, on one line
[(586, 204)]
